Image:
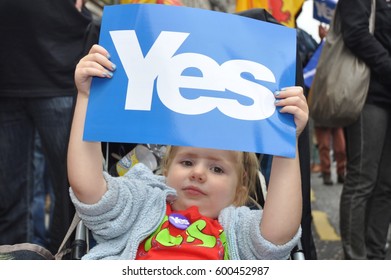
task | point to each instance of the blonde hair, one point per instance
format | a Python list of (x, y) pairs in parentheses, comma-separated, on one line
[(247, 168)]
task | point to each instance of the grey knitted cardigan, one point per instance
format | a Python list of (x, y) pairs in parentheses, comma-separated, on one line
[(134, 206)]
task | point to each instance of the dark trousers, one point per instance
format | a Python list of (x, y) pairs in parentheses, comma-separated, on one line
[(20, 118), (365, 207)]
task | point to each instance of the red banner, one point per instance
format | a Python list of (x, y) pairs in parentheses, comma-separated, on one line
[(283, 10)]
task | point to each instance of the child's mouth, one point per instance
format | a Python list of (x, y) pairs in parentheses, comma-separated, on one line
[(194, 191)]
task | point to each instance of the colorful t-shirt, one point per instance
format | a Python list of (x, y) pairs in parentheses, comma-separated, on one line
[(185, 235)]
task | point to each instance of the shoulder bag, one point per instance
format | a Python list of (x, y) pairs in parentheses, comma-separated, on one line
[(340, 86)]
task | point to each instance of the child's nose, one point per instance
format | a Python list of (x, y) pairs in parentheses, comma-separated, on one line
[(198, 174)]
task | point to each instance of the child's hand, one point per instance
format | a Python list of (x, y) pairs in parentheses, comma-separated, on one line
[(95, 63), (292, 100)]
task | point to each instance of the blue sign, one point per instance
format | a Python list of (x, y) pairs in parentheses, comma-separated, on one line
[(193, 77), (324, 10), (310, 69)]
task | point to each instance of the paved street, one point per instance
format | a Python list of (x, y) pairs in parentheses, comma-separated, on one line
[(325, 212)]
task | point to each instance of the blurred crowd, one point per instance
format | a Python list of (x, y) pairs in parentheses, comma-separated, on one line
[(43, 41)]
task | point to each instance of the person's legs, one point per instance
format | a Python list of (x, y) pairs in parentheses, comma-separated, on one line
[(314, 153), (16, 150), (53, 118), (323, 136), (364, 147), (41, 188), (379, 211), (339, 148)]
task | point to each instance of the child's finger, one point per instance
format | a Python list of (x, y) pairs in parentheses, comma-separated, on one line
[(100, 59), (294, 110), (95, 72), (289, 91), (99, 49), (292, 96), (92, 68), (292, 101)]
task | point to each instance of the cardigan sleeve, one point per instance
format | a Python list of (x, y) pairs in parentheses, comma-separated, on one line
[(244, 238), (119, 208)]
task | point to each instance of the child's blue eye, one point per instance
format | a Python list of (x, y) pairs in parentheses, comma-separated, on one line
[(186, 163), (217, 169)]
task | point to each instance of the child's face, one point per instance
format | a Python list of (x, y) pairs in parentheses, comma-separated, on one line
[(205, 178)]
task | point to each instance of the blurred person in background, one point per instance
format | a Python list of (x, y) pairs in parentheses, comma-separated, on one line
[(42, 41), (330, 139), (365, 206)]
